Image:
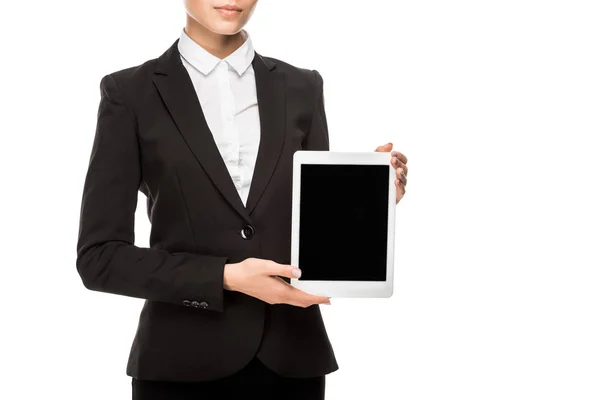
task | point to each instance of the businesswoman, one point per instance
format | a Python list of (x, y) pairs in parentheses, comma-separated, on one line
[(207, 132)]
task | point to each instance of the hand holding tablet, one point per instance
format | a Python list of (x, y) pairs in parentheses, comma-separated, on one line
[(262, 279), (343, 217)]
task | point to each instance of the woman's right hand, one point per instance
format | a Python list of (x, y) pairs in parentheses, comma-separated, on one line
[(260, 278)]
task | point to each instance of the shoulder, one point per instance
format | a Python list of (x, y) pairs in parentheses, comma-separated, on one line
[(298, 77), (130, 79)]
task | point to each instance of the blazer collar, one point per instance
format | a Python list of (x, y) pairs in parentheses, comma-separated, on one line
[(179, 96)]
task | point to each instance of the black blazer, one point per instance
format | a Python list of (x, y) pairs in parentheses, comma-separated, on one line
[(151, 136)]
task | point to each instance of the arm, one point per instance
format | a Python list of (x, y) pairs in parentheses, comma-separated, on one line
[(107, 259), (318, 135)]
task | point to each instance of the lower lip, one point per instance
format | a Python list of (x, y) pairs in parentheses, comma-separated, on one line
[(227, 13)]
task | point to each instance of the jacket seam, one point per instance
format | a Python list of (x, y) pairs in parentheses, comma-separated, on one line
[(186, 210), (314, 108), (125, 103)]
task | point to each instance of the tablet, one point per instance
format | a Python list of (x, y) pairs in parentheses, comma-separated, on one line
[(343, 215)]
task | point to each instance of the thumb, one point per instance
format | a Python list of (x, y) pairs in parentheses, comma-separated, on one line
[(385, 148), (277, 269)]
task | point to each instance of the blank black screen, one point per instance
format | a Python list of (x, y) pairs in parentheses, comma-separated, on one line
[(343, 222)]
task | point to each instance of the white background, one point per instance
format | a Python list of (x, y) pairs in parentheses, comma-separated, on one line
[(495, 103)]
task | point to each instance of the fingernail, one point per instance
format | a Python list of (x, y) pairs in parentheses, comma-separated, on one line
[(296, 273)]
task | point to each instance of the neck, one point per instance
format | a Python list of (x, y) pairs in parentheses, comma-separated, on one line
[(218, 45)]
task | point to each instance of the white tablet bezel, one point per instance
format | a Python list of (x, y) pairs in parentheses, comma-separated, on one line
[(344, 288)]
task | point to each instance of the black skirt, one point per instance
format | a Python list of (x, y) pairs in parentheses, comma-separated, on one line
[(255, 381)]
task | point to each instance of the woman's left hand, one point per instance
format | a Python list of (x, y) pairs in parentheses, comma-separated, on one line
[(399, 162)]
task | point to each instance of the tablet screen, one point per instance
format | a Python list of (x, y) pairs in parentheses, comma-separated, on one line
[(343, 222)]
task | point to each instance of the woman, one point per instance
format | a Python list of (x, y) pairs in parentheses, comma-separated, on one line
[(207, 132)]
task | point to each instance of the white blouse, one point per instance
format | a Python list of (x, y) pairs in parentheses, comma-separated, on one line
[(226, 89)]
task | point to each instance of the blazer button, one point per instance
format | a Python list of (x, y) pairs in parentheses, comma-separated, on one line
[(203, 304), (247, 232), (195, 304), (187, 303)]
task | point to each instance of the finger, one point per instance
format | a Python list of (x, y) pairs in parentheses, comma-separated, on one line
[(400, 186), (402, 178), (385, 148), (297, 297), (400, 156), (400, 173), (306, 299), (397, 164), (404, 167), (276, 269)]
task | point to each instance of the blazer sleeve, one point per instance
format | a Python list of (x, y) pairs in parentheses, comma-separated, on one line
[(318, 135), (107, 259)]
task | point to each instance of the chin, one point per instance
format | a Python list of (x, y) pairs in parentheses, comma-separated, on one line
[(226, 27)]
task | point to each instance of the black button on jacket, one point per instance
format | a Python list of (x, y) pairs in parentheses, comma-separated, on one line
[(151, 136)]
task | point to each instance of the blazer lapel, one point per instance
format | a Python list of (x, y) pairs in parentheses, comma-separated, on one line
[(270, 92), (177, 92)]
